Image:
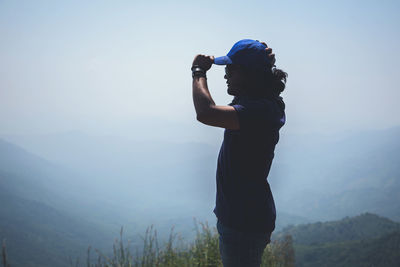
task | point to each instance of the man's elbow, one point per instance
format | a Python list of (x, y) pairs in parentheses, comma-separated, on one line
[(203, 117)]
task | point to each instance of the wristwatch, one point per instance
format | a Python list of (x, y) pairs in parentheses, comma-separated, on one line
[(197, 71)]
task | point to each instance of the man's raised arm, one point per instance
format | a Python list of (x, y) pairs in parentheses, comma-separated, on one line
[(206, 110)]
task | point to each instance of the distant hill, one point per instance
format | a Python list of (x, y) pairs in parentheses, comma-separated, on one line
[(39, 235), (49, 213), (111, 189), (41, 219), (378, 252), (28, 176), (333, 176), (364, 240), (137, 177), (350, 228), (108, 182), (313, 176)]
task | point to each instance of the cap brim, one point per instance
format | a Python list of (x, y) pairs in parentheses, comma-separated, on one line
[(224, 60)]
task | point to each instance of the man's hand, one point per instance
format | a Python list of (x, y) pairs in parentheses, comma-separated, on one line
[(271, 55), (203, 61)]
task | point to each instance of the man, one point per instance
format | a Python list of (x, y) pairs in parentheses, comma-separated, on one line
[(245, 207)]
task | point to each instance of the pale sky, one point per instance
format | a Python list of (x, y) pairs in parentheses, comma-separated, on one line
[(101, 66)]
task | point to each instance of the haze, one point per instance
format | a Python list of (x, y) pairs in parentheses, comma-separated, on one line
[(98, 128), (104, 67)]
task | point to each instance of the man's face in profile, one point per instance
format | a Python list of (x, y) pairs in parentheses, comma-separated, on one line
[(234, 79)]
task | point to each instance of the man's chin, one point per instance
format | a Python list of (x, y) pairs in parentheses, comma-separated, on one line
[(231, 91)]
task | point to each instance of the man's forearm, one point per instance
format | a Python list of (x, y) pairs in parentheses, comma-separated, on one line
[(201, 96)]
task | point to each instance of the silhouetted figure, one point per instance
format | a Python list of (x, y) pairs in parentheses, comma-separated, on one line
[(245, 207)]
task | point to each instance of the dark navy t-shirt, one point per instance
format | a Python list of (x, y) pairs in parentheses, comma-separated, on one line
[(244, 199)]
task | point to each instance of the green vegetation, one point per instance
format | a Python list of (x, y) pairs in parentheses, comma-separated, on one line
[(38, 235), (204, 251), (364, 240), (364, 226), (382, 251)]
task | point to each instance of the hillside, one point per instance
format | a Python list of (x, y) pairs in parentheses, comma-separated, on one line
[(107, 182), (40, 215), (39, 235), (28, 176), (364, 240), (348, 229), (313, 176), (382, 251), (328, 177), (135, 178)]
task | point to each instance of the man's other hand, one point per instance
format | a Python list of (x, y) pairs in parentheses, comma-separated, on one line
[(271, 55), (204, 61)]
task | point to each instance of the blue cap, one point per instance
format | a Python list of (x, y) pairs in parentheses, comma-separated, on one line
[(246, 52)]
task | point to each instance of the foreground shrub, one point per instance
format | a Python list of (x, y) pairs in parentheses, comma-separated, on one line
[(204, 251)]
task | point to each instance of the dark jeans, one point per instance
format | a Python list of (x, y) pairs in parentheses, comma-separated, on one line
[(239, 249)]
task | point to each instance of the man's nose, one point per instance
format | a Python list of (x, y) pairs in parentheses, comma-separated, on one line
[(225, 77)]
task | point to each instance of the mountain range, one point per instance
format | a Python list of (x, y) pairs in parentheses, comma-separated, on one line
[(63, 192)]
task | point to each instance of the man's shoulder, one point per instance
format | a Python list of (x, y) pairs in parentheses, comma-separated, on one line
[(268, 104), (261, 104)]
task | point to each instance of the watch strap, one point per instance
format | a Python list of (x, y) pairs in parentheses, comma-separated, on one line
[(197, 71)]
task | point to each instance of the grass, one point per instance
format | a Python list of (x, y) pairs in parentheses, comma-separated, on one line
[(203, 252)]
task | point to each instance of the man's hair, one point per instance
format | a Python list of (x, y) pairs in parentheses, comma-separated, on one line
[(266, 82)]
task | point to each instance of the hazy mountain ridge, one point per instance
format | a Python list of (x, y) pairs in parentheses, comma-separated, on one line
[(364, 240), (110, 182), (39, 215), (32, 177), (120, 163), (61, 221), (338, 177), (360, 227), (381, 251), (313, 176), (27, 190), (39, 235)]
